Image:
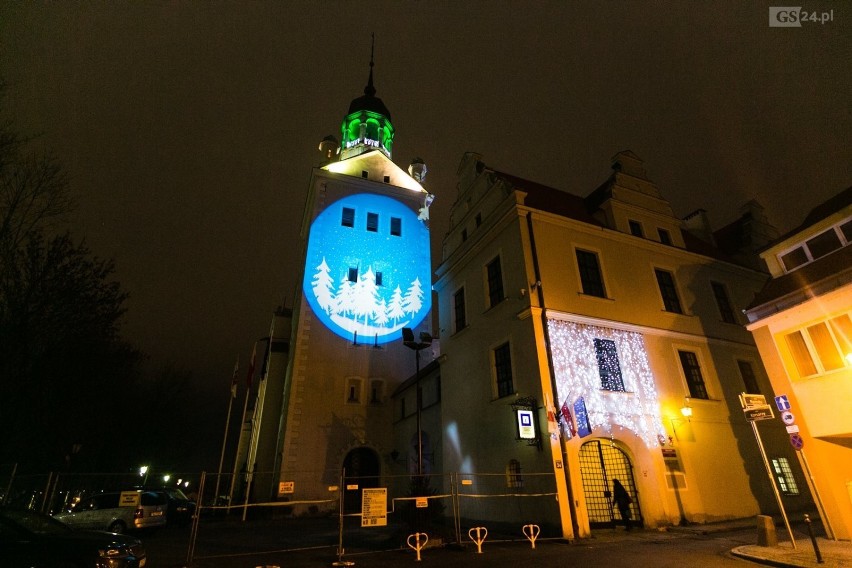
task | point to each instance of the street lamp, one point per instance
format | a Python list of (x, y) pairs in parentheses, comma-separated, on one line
[(425, 341)]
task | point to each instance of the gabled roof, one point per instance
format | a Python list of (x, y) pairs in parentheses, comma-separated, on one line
[(551, 199)]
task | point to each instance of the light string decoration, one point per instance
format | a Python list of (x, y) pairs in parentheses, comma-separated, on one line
[(577, 374)]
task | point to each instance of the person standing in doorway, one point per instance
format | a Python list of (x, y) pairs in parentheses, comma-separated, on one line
[(622, 500)]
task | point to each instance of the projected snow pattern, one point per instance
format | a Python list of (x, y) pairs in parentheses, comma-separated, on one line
[(375, 312)]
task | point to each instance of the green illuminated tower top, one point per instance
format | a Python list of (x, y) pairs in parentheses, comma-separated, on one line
[(367, 126)]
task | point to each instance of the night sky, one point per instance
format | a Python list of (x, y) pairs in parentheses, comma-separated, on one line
[(189, 129)]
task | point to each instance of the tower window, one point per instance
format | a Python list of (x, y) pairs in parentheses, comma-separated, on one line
[(376, 388), (665, 236), (378, 278), (353, 390), (373, 222), (353, 274), (364, 173), (348, 218), (396, 226), (464, 235), (478, 220), (636, 228)]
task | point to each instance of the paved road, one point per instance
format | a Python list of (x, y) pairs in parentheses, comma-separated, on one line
[(636, 549)]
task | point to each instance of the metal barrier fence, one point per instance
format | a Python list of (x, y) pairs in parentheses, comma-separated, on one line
[(247, 515)]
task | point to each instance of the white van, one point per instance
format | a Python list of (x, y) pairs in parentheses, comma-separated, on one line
[(117, 512)]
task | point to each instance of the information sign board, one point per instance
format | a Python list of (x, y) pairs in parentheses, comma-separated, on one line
[(374, 507)]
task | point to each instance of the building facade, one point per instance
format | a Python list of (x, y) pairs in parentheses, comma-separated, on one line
[(622, 331), (801, 324)]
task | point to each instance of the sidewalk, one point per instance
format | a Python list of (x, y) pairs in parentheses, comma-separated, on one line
[(834, 553)]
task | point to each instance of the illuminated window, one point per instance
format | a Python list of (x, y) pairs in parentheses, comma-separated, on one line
[(373, 222), (668, 291), (459, 309), (825, 346), (692, 374), (608, 365), (503, 370), (396, 226), (514, 479), (723, 302), (353, 274), (784, 475), (801, 355), (590, 274), (665, 237), (495, 282), (749, 380), (353, 390), (821, 347), (348, 218)]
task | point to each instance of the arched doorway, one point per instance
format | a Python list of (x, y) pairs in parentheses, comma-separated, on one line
[(361, 469), (600, 463)]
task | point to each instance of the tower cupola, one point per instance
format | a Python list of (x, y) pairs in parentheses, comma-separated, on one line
[(367, 126)]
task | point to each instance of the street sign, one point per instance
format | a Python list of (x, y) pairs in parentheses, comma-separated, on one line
[(782, 403), (792, 428), (752, 400), (759, 413), (787, 417), (797, 442)]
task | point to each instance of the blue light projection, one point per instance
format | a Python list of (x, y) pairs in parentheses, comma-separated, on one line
[(369, 276)]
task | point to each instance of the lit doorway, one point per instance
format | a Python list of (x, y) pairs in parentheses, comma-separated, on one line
[(600, 463)]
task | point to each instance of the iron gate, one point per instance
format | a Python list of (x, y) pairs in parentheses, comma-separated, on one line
[(600, 463)]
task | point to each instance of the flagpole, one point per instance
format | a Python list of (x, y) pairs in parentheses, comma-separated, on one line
[(227, 425), (237, 456)]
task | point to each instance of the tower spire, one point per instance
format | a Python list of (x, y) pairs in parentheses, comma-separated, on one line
[(370, 90)]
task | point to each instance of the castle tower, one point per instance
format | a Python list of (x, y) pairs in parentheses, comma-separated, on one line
[(366, 276)]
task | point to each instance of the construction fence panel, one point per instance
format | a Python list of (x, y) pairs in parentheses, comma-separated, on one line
[(504, 503)]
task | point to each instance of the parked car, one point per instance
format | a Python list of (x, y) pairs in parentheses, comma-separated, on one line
[(32, 540), (117, 512), (181, 508)]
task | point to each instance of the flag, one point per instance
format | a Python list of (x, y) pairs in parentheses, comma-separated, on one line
[(250, 374), (552, 428), (567, 421), (234, 378)]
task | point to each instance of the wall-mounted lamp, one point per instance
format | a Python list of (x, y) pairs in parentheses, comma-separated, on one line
[(686, 410)]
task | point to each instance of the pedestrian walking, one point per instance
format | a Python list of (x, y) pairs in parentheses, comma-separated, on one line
[(622, 500)]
